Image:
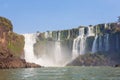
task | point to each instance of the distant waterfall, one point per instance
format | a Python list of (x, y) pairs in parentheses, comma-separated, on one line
[(90, 31), (75, 49), (68, 34), (94, 47), (56, 48), (106, 42), (30, 40), (101, 43), (58, 53), (48, 34), (78, 44)]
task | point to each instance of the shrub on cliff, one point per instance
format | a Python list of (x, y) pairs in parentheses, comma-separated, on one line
[(10, 41), (15, 44), (6, 23)]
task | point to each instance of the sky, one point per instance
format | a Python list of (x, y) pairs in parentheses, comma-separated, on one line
[(30, 16)]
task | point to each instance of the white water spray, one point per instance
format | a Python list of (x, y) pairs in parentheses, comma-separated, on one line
[(30, 40), (44, 60), (57, 53)]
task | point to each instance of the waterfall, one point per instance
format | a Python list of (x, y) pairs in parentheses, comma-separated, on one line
[(30, 40), (59, 33), (82, 45), (79, 44), (100, 44), (94, 47), (68, 34), (106, 42), (75, 50), (91, 31), (57, 53), (48, 34), (51, 57)]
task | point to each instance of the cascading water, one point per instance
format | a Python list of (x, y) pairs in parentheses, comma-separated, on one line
[(75, 51), (51, 57), (46, 35), (94, 47), (30, 40), (90, 31), (79, 44), (58, 54), (99, 44), (68, 34), (106, 42), (54, 49)]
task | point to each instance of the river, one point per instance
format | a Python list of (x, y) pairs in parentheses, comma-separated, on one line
[(61, 73)]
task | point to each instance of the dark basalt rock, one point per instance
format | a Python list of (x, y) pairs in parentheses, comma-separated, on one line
[(10, 61), (92, 60), (16, 63), (117, 65)]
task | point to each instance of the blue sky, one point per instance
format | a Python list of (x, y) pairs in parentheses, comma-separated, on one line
[(29, 16)]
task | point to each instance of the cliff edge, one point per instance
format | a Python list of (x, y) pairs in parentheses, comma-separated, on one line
[(11, 47)]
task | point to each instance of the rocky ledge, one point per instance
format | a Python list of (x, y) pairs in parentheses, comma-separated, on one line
[(14, 62), (8, 61)]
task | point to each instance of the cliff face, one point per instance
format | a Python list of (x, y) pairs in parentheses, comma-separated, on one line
[(11, 46), (10, 41), (74, 44)]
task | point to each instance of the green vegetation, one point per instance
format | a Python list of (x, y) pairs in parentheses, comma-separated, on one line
[(15, 44), (6, 23), (64, 34), (107, 28), (10, 41)]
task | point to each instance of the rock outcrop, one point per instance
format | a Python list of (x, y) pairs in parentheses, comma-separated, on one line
[(92, 60), (11, 47)]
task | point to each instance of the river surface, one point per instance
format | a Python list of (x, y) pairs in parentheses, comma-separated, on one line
[(61, 73)]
